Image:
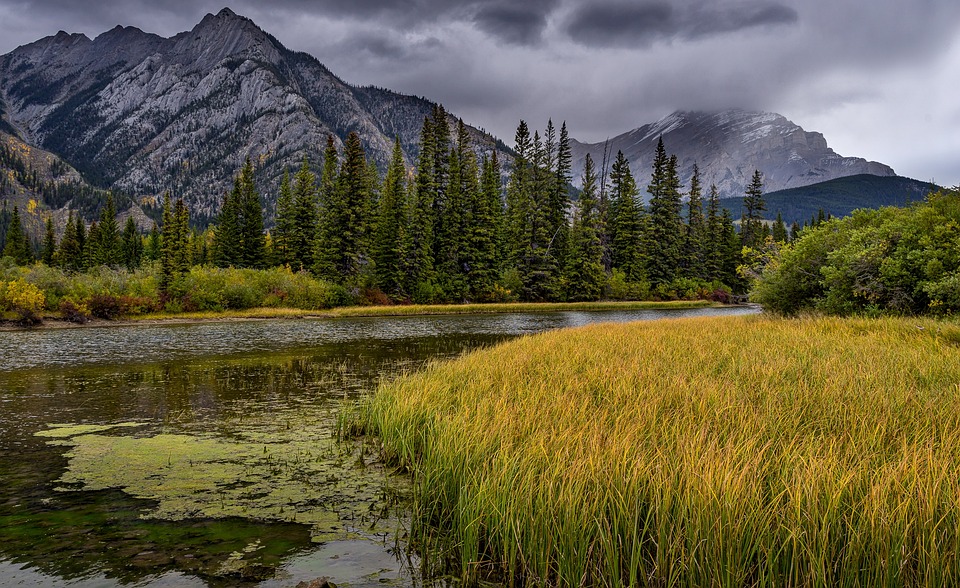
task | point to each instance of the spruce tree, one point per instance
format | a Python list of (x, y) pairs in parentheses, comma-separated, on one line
[(283, 230), (227, 244), (715, 243), (343, 247), (584, 269), (105, 249), (49, 251), (421, 267), (69, 252), (18, 244), (696, 237), (131, 245), (168, 246), (151, 249), (751, 224), (560, 196), (626, 238), (327, 241), (666, 226), (391, 240), (181, 237), (779, 231), (485, 229), (253, 243), (304, 217), (91, 246)]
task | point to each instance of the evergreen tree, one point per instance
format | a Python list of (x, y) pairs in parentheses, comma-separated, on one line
[(751, 224), (486, 210), (151, 249), (666, 226), (48, 255), (105, 248), (326, 244), (731, 248), (131, 245), (343, 253), (180, 236), (560, 196), (626, 238), (69, 251), (794, 231), (420, 265), (168, 246), (18, 244), (283, 230), (696, 237), (584, 270), (253, 243), (227, 244), (81, 235), (391, 241), (304, 217), (715, 243), (779, 231)]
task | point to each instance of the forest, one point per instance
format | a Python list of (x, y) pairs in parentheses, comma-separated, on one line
[(454, 228)]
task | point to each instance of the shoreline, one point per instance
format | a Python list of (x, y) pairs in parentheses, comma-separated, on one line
[(261, 314)]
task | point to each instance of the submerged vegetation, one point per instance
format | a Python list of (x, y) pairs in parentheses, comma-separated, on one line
[(736, 452)]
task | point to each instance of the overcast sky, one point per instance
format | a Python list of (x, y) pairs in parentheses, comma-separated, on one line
[(879, 78)]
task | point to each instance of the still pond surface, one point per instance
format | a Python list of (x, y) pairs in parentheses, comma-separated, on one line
[(203, 454)]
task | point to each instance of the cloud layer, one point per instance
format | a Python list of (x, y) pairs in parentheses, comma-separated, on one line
[(875, 76)]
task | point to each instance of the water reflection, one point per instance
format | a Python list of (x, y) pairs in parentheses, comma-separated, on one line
[(276, 383)]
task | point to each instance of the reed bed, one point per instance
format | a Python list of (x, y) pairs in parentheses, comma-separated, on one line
[(746, 451)]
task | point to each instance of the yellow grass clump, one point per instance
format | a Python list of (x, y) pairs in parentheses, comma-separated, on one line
[(746, 451)]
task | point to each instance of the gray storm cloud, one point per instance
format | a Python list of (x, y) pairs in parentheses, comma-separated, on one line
[(872, 75)]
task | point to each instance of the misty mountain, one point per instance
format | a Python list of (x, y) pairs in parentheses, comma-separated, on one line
[(142, 114), (728, 146)]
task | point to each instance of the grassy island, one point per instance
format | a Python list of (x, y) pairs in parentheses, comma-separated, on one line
[(747, 451)]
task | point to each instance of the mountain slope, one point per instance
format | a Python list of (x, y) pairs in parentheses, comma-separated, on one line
[(838, 197), (728, 146), (144, 114)]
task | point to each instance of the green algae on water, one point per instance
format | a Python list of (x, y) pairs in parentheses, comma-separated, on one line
[(66, 430), (283, 467)]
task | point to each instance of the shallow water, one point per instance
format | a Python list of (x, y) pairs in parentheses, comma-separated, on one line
[(226, 473)]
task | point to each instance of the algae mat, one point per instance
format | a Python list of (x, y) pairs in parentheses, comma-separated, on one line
[(283, 467)]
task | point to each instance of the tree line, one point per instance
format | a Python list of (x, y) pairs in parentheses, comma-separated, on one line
[(452, 228)]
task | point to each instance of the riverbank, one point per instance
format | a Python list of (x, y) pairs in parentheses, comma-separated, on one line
[(55, 322), (710, 451)]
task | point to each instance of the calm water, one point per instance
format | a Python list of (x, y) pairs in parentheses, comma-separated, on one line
[(224, 471)]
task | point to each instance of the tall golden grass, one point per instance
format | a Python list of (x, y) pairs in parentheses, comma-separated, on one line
[(703, 452)]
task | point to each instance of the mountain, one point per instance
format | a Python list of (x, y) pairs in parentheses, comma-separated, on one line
[(838, 197), (141, 114), (728, 146)]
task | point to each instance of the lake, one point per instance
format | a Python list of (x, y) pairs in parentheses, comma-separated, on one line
[(205, 454)]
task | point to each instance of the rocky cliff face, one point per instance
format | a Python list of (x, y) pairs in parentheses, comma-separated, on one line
[(145, 114), (728, 146)]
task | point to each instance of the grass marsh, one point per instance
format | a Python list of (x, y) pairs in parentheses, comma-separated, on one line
[(747, 451)]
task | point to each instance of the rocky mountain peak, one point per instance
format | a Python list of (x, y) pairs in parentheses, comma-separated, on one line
[(727, 146)]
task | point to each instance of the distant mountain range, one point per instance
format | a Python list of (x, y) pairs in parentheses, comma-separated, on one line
[(838, 197), (728, 146), (140, 114)]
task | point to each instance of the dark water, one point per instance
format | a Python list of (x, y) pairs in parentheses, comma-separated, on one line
[(234, 479)]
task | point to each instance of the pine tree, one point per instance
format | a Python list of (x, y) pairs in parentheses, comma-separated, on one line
[(421, 267), (81, 235), (105, 248), (626, 238), (715, 243), (485, 229), (343, 247), (131, 245), (666, 226), (751, 224), (227, 244), (168, 246), (253, 243), (794, 231), (584, 269), (779, 231), (18, 244), (283, 230), (181, 237), (91, 245), (151, 249), (327, 241), (69, 251), (304, 217), (48, 255), (696, 238), (560, 196), (731, 248), (390, 242)]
